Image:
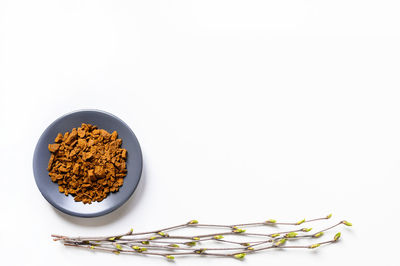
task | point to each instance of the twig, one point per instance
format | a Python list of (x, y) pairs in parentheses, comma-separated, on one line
[(147, 243)]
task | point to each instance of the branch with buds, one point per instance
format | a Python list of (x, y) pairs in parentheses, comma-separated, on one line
[(164, 243)]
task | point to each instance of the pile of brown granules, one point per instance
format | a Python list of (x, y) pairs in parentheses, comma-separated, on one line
[(87, 163)]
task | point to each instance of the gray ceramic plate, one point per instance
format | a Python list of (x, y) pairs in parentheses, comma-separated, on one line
[(105, 121)]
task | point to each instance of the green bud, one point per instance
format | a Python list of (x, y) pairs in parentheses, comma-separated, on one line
[(200, 251), (314, 246), (347, 223), (170, 257), (191, 244), (291, 235), (329, 216), (111, 238), (193, 222), (161, 233), (143, 249), (240, 255), (91, 247), (270, 221), (239, 230), (275, 235), (337, 236), (153, 237), (196, 238), (245, 244), (218, 237), (118, 246), (145, 242), (280, 242), (318, 234), (306, 229), (135, 248), (300, 222), (174, 246), (250, 248), (131, 230), (116, 252)]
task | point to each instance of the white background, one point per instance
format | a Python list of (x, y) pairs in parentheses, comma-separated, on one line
[(245, 110)]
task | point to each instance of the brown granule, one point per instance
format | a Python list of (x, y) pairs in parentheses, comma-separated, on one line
[(87, 163)]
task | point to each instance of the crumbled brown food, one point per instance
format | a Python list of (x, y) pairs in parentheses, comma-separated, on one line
[(87, 163)]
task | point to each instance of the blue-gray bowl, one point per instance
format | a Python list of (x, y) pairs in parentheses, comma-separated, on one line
[(67, 204)]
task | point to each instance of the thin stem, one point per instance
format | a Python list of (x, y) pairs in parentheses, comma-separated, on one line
[(257, 223), (147, 243), (326, 229), (320, 243), (211, 225)]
